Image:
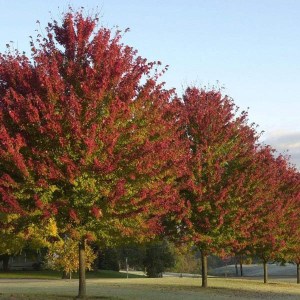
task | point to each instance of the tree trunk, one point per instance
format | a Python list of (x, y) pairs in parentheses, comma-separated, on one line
[(204, 269), (5, 262), (265, 272), (241, 266), (82, 282), (236, 268), (298, 273), (64, 275)]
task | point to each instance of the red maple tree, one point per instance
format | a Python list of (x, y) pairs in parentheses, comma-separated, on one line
[(273, 206), (88, 136), (292, 220), (222, 145)]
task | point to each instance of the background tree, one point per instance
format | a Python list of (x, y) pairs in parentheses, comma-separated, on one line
[(109, 259), (290, 186), (185, 259), (17, 234), (293, 228), (132, 256), (222, 145), (270, 207), (12, 242), (62, 255), (158, 257), (88, 137)]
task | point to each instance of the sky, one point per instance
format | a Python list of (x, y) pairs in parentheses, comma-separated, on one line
[(251, 48)]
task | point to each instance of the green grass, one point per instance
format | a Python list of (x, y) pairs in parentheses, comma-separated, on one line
[(45, 274), (49, 274), (108, 274), (48, 297), (149, 289)]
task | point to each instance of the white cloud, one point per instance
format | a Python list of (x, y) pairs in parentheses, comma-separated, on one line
[(286, 143)]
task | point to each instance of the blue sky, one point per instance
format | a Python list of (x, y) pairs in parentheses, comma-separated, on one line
[(250, 47)]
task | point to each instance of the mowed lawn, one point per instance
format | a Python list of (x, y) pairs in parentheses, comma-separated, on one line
[(148, 289)]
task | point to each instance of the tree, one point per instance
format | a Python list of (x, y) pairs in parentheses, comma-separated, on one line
[(12, 242), (158, 257), (290, 186), (292, 251), (62, 255), (270, 207), (222, 145), (108, 259), (132, 256), (88, 137), (185, 258), (17, 234)]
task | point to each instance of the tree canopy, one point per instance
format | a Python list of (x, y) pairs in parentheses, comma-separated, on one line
[(88, 136)]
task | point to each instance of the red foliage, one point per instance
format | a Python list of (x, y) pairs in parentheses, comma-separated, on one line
[(273, 205), (85, 125), (222, 146)]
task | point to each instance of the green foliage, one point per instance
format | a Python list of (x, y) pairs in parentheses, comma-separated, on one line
[(17, 233), (109, 260), (63, 256), (134, 255), (186, 260), (158, 257)]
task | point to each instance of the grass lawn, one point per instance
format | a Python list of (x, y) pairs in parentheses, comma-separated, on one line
[(49, 274), (149, 289)]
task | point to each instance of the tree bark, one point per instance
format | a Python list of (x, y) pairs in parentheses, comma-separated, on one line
[(204, 269), (265, 272), (236, 268), (5, 262), (82, 281), (241, 266), (298, 273)]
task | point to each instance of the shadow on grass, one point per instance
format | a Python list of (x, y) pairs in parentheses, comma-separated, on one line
[(49, 274), (258, 290), (50, 297), (243, 289)]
